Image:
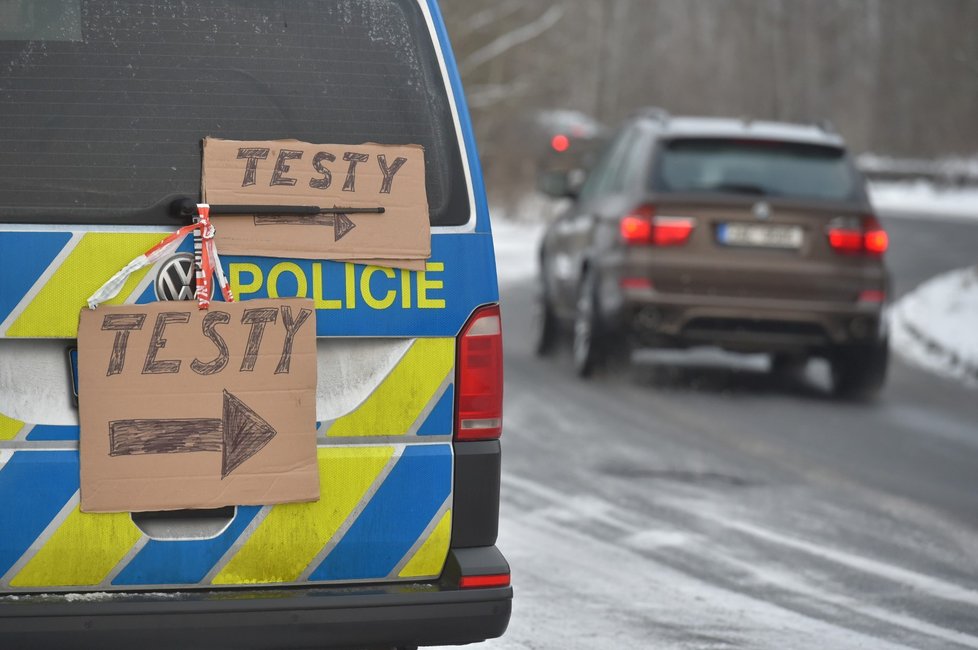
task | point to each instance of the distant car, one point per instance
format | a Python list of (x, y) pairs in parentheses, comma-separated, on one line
[(571, 133), (555, 139), (751, 236)]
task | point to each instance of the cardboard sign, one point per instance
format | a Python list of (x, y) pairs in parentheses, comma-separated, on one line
[(293, 173), (183, 408)]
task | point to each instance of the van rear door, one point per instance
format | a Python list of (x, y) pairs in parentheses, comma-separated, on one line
[(104, 107)]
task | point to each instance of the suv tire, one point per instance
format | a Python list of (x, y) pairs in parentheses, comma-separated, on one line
[(859, 372), (587, 347), (546, 328)]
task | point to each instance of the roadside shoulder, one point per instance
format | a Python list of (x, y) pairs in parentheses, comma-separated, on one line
[(935, 326)]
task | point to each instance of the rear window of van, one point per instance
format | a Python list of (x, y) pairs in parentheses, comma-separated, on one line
[(103, 103)]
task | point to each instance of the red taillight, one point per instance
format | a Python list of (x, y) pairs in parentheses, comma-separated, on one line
[(560, 143), (643, 227), (475, 582), (844, 240), (636, 230), (635, 283), (876, 240), (479, 379), (858, 236), (872, 295), (671, 231)]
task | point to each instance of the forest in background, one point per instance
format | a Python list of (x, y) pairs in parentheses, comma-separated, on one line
[(895, 77)]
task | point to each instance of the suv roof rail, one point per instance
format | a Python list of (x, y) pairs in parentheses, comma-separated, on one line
[(653, 112)]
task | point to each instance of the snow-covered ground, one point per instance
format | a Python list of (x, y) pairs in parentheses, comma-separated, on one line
[(922, 199), (516, 244), (936, 325)]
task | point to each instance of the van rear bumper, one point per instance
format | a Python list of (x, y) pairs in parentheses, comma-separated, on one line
[(361, 616), (405, 614)]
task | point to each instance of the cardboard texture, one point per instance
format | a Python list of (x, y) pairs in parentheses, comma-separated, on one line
[(289, 172), (183, 408)]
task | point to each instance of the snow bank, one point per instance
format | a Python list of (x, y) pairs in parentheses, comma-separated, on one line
[(920, 199), (936, 326), (946, 170), (516, 238), (516, 250)]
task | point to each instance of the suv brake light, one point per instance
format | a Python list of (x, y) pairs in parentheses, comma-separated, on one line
[(643, 227), (858, 236), (479, 379)]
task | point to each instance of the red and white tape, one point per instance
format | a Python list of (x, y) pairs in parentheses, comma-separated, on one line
[(206, 258)]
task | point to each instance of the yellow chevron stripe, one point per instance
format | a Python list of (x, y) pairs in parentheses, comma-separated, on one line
[(96, 258), (430, 558), (9, 427), (82, 551), (394, 406), (293, 534)]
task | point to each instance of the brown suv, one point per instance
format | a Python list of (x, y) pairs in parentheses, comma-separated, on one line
[(751, 236)]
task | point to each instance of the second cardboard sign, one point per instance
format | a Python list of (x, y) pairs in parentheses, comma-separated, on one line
[(293, 173)]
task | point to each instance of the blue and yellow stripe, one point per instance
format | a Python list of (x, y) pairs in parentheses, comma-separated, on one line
[(384, 511), (381, 507)]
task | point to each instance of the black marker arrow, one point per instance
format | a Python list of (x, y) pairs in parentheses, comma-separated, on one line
[(341, 223), (238, 435)]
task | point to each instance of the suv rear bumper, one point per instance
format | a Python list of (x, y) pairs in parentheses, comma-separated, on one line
[(747, 324), (404, 614)]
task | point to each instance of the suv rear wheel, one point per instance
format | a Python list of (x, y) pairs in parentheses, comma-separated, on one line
[(859, 372)]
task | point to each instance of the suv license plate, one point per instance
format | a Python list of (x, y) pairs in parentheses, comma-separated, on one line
[(759, 235)]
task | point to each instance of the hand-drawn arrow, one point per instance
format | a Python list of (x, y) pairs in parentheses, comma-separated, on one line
[(342, 224), (239, 434), (287, 215)]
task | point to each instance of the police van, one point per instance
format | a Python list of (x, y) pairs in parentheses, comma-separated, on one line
[(103, 108)]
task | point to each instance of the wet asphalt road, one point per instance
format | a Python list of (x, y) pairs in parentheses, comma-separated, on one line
[(710, 505)]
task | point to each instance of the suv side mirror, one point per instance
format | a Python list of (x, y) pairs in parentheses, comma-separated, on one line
[(561, 184)]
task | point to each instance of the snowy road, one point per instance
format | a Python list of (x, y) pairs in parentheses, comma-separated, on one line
[(712, 507)]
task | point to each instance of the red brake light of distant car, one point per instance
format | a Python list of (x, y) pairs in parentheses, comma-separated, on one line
[(560, 143), (872, 295), (643, 227), (476, 582), (479, 378), (858, 236)]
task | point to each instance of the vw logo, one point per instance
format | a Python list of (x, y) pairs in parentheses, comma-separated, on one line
[(762, 210), (175, 279)]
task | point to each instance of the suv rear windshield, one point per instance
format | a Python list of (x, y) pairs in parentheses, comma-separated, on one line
[(103, 104), (763, 168)]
